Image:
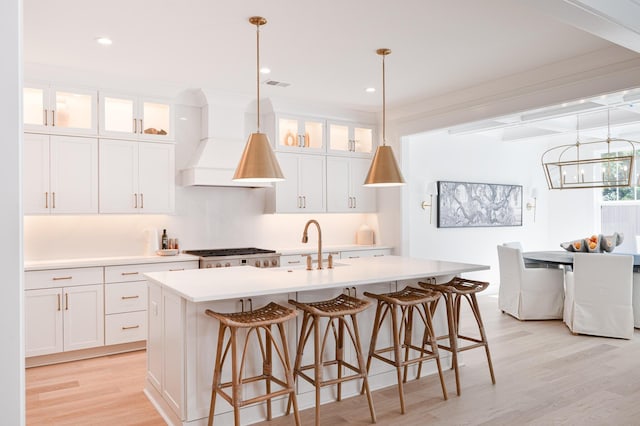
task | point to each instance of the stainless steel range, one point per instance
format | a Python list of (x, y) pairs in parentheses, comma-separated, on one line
[(219, 258)]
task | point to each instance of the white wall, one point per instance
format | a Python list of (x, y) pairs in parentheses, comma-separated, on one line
[(12, 353), (560, 215)]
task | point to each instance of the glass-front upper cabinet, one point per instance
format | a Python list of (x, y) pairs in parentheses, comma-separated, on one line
[(132, 117), (350, 139), (299, 134), (60, 110)]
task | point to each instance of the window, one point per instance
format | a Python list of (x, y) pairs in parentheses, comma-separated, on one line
[(625, 193)]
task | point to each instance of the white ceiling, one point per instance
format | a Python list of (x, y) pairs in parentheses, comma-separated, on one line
[(325, 49)]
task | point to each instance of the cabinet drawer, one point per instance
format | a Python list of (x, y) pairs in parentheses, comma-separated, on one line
[(51, 278), (125, 297), (292, 260), (124, 273), (124, 328), (355, 254)]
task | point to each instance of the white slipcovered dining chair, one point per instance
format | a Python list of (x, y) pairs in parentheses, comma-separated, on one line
[(528, 293), (598, 299)]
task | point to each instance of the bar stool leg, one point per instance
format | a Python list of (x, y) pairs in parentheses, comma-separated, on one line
[(397, 354), (361, 367), (267, 366), (483, 336), (235, 377), (374, 338), (304, 335), (407, 320), (434, 348), (453, 337), (217, 368), (289, 375), (340, 354), (317, 360)]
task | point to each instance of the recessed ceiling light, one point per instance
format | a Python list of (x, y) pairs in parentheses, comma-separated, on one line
[(105, 41), (370, 89), (265, 70)]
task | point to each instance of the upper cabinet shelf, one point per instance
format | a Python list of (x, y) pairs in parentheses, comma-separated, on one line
[(355, 140), (130, 117), (60, 110), (297, 134)]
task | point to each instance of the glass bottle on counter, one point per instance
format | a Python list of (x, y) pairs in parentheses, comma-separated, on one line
[(165, 240)]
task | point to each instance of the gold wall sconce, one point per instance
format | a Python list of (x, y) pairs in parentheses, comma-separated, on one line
[(431, 188), (532, 206)]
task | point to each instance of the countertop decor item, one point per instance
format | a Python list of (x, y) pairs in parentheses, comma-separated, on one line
[(167, 252), (595, 243), (384, 170), (258, 162)]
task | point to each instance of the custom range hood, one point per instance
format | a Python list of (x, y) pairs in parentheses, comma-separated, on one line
[(222, 140)]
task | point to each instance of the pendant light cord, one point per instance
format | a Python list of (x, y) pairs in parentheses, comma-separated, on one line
[(258, 71), (384, 103)]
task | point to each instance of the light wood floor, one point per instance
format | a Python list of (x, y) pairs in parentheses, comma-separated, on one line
[(545, 376)]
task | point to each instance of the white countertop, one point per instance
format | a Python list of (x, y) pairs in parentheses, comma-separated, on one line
[(36, 265), (201, 285)]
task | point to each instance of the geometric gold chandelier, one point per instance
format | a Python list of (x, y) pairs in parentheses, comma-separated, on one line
[(599, 164)]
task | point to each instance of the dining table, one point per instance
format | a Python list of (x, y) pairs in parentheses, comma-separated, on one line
[(555, 258)]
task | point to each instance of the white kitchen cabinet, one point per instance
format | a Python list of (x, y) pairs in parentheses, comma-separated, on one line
[(345, 192), (356, 254), (43, 321), (297, 133), (132, 117), (155, 323), (60, 174), (60, 110), (136, 177), (63, 319), (355, 140), (303, 190)]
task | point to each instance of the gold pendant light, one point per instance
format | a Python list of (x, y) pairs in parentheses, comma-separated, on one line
[(384, 170), (258, 162)]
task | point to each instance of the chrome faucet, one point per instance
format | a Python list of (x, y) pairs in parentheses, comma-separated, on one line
[(305, 239)]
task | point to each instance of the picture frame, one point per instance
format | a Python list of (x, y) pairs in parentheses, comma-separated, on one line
[(469, 205)]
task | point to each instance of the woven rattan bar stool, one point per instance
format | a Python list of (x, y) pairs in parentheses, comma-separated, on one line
[(254, 321), (453, 292), (402, 306), (335, 310)]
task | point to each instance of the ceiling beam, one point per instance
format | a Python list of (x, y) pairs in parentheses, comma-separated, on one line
[(615, 21)]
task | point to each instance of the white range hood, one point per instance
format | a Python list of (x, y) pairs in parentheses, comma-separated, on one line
[(223, 135)]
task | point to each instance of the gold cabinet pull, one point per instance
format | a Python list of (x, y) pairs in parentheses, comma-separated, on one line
[(141, 127), (58, 301), (290, 262), (130, 327), (45, 113), (53, 117), (46, 200), (135, 200), (130, 273), (129, 297), (63, 278), (135, 126), (53, 200), (141, 200), (173, 270), (66, 301)]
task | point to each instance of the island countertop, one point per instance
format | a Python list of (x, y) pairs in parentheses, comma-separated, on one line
[(202, 285)]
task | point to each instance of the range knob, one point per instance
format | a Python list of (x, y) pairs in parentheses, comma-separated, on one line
[(274, 262), (226, 265), (265, 263), (218, 265), (257, 263)]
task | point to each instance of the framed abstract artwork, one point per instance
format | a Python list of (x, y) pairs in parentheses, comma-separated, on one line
[(466, 204)]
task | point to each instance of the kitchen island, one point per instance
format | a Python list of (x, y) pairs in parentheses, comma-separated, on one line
[(182, 339)]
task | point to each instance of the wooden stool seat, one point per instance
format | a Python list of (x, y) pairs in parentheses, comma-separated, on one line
[(454, 291), (336, 309), (255, 321), (401, 306)]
